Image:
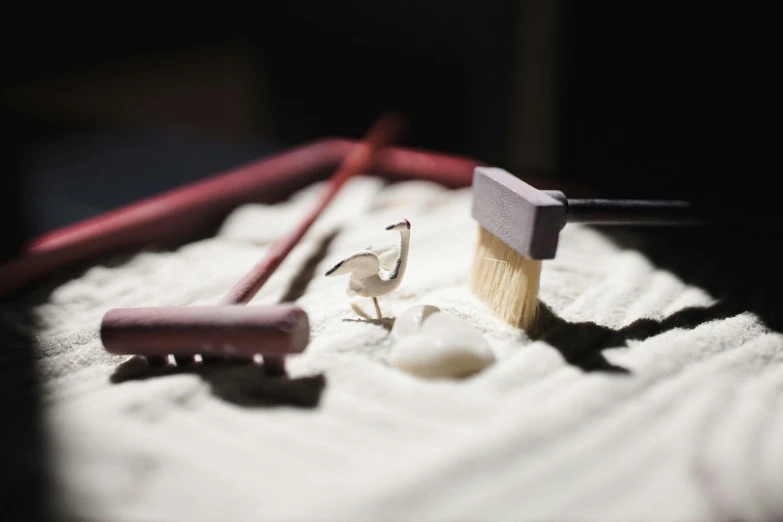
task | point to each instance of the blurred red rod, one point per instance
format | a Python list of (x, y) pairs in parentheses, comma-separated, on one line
[(358, 160), (185, 213)]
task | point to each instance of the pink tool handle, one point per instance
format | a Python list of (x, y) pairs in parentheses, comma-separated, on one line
[(217, 331), (184, 213), (357, 160)]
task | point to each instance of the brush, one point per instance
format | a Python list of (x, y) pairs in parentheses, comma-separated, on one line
[(230, 330), (519, 226)]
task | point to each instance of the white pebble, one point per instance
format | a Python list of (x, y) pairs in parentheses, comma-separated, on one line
[(434, 344)]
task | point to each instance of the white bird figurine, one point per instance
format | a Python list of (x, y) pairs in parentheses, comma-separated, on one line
[(371, 274)]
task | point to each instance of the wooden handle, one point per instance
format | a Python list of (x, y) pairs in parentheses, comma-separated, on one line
[(184, 213), (215, 331), (358, 160)]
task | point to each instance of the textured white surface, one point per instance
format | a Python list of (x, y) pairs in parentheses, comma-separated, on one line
[(693, 430)]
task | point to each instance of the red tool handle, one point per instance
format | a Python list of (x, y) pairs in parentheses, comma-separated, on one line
[(357, 160), (213, 331), (184, 213)]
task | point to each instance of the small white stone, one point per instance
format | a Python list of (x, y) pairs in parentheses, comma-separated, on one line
[(436, 344), (410, 321)]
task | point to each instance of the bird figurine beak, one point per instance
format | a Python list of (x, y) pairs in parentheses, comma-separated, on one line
[(398, 223)]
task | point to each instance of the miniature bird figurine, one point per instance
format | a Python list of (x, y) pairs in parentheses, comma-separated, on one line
[(370, 274)]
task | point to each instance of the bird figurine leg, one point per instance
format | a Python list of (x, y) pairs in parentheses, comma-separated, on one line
[(377, 308)]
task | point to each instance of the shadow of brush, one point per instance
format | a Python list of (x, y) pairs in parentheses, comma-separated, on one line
[(739, 263), (581, 344), (242, 384)]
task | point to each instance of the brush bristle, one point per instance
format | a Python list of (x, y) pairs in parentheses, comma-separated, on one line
[(506, 281)]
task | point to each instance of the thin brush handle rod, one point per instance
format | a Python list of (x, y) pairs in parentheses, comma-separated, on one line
[(382, 133), (632, 212)]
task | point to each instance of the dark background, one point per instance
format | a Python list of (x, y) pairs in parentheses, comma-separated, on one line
[(101, 106)]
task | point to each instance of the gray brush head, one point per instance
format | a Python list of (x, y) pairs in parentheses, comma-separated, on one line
[(525, 218)]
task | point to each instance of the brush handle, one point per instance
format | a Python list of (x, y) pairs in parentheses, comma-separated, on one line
[(628, 211), (632, 212)]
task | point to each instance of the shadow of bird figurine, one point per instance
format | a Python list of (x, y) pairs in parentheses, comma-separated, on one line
[(371, 273)]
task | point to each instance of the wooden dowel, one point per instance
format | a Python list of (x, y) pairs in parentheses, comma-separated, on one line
[(357, 161)]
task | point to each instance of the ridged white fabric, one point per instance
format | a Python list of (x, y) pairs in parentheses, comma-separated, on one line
[(685, 424)]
